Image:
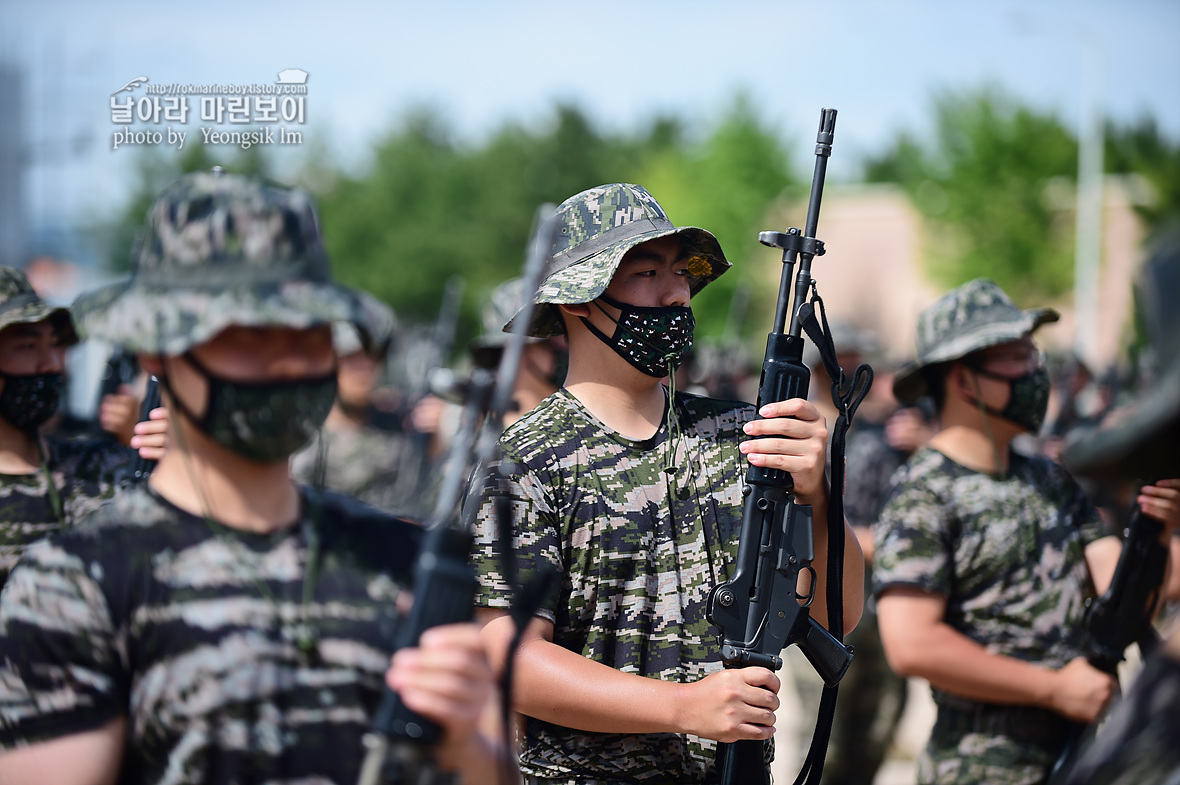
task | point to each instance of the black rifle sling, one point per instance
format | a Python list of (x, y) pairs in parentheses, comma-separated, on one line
[(846, 397)]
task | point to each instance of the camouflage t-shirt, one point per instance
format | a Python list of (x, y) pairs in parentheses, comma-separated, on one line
[(190, 631), (1007, 554), (638, 552), (360, 462), (85, 473)]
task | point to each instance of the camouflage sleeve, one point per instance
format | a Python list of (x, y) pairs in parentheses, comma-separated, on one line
[(101, 468), (60, 669), (912, 542), (1091, 523), (535, 538), (1074, 503)]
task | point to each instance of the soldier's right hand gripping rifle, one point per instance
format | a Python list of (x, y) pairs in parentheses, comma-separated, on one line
[(399, 747), (759, 610)]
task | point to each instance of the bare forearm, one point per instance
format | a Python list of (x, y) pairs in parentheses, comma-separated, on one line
[(953, 662), (567, 689)]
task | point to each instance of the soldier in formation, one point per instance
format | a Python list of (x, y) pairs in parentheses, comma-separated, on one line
[(350, 454), (984, 557), (632, 491), (46, 482), (221, 624)]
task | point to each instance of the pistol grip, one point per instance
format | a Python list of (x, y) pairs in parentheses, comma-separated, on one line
[(828, 656)]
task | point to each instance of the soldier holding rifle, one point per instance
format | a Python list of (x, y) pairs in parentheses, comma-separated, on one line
[(220, 624), (634, 492), (984, 556), (46, 482)]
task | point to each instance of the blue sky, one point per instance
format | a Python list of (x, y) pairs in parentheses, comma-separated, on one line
[(483, 63)]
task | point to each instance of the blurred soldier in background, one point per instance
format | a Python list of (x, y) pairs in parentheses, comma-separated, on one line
[(46, 482), (225, 625), (872, 696), (984, 557), (543, 363), (1137, 744), (349, 455)]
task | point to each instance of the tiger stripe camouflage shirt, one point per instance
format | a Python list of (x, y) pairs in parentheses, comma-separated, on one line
[(638, 551), (86, 474), (190, 631)]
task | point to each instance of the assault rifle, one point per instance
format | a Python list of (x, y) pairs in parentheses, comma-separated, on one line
[(759, 610), (151, 400), (399, 745), (1122, 615), (416, 459), (122, 368)]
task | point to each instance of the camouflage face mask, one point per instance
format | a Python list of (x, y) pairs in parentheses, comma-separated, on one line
[(653, 339), (1028, 399), (262, 421), (28, 401)]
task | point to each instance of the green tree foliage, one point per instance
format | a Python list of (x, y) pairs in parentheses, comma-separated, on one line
[(1141, 149), (982, 183), (726, 185), (430, 208)]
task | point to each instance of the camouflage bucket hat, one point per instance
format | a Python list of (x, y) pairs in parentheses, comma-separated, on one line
[(381, 329), (974, 316), (219, 250), (503, 303), (596, 229), (20, 304)]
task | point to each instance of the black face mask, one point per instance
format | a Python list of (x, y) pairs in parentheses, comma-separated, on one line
[(28, 401), (653, 339), (262, 421), (1028, 398)]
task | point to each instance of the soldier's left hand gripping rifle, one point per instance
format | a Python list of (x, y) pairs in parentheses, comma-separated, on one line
[(1121, 616), (760, 610), (399, 747)]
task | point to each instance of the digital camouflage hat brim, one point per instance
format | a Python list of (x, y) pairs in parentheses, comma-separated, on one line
[(220, 250), (20, 304), (974, 316), (596, 229)]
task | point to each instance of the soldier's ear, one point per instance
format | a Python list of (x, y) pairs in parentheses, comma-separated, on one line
[(577, 310), (963, 381)]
